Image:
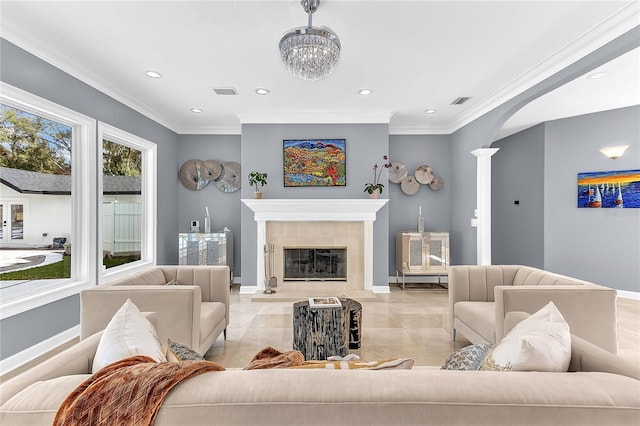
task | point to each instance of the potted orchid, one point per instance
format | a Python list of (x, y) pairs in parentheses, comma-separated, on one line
[(375, 188)]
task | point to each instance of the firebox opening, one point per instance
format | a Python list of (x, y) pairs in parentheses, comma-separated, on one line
[(315, 264)]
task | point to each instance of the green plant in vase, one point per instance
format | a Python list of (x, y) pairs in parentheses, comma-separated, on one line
[(257, 180)]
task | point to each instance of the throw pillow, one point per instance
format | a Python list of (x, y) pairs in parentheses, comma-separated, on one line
[(128, 333), (178, 352), (541, 342), (387, 364), (469, 358)]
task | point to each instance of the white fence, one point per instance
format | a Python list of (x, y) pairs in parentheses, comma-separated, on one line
[(121, 228)]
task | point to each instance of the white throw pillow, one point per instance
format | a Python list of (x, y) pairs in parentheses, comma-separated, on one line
[(128, 334), (541, 342)]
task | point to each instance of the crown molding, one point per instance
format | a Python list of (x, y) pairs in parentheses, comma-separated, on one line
[(608, 29), (18, 35), (618, 23), (332, 117), (210, 130), (408, 129)]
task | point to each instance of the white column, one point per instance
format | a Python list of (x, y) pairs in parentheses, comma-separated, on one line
[(483, 204), (262, 240), (368, 254)]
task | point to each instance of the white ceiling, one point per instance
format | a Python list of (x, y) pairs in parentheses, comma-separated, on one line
[(414, 55)]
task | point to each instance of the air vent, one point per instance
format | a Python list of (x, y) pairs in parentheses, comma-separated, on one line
[(460, 101), (225, 91)]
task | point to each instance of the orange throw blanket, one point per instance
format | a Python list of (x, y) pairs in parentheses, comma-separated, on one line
[(273, 358), (127, 392)]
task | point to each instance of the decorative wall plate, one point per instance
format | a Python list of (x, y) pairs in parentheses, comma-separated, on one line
[(409, 185), (230, 180), (191, 175), (424, 174), (212, 170), (397, 172), (436, 183)]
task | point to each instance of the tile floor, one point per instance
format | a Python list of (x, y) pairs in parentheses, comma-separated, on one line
[(413, 323)]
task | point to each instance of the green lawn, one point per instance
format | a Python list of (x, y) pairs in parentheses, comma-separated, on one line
[(60, 269)]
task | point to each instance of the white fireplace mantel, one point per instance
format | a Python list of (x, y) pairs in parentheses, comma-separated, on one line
[(320, 210)]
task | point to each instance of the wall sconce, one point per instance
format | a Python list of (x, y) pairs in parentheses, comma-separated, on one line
[(614, 152)]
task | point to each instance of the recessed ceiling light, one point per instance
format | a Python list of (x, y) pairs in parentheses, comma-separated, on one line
[(430, 111), (153, 74), (365, 92), (262, 91), (597, 75), (196, 110)]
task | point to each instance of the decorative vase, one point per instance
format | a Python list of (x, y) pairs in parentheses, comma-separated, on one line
[(374, 194)]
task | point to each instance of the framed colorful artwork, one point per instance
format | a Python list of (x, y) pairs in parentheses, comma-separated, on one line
[(616, 189), (314, 162)]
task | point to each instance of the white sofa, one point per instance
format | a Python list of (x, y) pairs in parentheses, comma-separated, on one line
[(193, 311), (603, 391), (480, 298)]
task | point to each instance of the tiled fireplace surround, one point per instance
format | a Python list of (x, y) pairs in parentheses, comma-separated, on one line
[(317, 223)]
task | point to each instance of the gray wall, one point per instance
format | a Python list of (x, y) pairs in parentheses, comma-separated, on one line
[(482, 131), (599, 245), (517, 173), (414, 151), (262, 151), (25, 71), (223, 207)]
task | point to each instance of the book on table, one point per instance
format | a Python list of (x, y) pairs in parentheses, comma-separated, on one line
[(324, 302)]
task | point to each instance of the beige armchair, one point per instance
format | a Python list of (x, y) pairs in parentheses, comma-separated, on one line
[(192, 311), (480, 298)]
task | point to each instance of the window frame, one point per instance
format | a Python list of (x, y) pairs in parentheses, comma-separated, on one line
[(83, 196), (149, 205)]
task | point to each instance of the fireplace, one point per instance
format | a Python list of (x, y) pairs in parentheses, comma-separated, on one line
[(316, 223), (315, 264)]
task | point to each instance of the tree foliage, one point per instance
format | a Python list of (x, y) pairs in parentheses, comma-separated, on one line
[(120, 160), (29, 142)]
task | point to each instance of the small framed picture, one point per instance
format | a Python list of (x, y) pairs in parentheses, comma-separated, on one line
[(324, 302)]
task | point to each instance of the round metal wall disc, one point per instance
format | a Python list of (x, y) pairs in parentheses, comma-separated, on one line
[(397, 172), (409, 185), (424, 174), (436, 183), (212, 170), (230, 180), (191, 175)]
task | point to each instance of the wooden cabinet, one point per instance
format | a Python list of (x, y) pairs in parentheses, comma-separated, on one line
[(215, 248), (422, 253)]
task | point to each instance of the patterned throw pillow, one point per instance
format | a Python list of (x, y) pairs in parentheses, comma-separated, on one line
[(387, 364), (469, 358), (177, 352)]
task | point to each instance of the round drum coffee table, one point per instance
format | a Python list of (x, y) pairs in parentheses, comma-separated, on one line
[(323, 332)]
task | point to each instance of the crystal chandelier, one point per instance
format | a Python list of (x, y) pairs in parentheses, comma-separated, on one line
[(310, 53)]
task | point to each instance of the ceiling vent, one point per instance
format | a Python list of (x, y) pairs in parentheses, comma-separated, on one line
[(460, 101), (225, 91)]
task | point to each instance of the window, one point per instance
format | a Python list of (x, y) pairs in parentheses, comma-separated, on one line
[(128, 208), (48, 179), (57, 208)]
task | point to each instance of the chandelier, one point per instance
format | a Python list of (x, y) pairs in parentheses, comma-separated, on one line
[(310, 53)]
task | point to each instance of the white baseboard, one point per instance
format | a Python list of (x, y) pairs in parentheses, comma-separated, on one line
[(32, 352), (248, 289), (380, 289), (629, 294)]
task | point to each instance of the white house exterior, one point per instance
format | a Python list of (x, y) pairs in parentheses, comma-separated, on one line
[(36, 209)]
